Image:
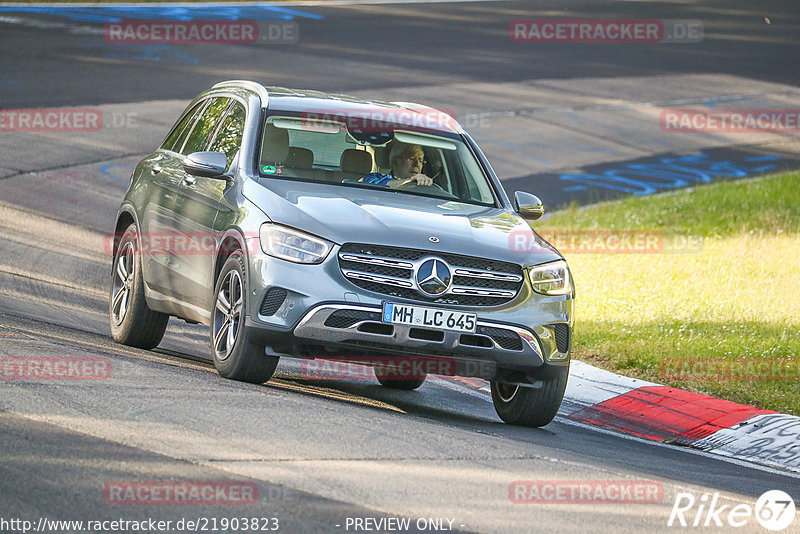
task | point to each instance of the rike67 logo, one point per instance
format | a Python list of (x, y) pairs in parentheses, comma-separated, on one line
[(774, 510)]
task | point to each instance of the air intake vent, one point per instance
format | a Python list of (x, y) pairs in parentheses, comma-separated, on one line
[(426, 335), (272, 301), (562, 337), (347, 318), (505, 338)]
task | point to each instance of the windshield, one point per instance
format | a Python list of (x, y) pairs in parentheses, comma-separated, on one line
[(384, 155)]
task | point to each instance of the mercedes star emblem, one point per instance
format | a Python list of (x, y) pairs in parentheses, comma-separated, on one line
[(433, 277)]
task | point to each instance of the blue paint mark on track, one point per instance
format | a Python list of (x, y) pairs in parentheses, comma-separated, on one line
[(763, 158), (668, 173), (105, 14), (127, 168)]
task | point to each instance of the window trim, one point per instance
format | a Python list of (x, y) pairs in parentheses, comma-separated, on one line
[(231, 105), (208, 104), (203, 103)]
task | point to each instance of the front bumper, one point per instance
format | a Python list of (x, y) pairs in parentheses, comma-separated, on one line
[(320, 314)]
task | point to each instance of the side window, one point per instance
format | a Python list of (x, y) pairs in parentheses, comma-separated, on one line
[(176, 137), (229, 135), (205, 126), (327, 148)]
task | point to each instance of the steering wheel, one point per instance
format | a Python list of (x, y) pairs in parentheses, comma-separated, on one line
[(427, 189), (408, 183)]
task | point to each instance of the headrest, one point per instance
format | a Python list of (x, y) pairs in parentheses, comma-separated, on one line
[(275, 145), (382, 157), (356, 161), (300, 158)]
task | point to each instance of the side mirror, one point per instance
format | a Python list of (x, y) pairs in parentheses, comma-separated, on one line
[(528, 206), (207, 164)]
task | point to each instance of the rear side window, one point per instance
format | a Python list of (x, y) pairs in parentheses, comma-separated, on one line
[(205, 126), (179, 132), (229, 135), (326, 148)]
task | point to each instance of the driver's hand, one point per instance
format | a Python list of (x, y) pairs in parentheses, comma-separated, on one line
[(421, 179)]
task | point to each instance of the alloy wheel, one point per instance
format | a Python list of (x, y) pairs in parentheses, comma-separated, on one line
[(123, 282), (227, 314), (507, 392)]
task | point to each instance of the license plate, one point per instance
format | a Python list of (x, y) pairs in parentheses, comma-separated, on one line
[(428, 317)]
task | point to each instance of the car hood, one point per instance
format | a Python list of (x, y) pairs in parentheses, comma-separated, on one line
[(354, 214)]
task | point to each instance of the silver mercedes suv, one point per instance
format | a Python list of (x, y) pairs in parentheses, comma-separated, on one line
[(321, 226)]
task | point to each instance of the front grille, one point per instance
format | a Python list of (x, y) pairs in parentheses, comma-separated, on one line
[(484, 283), (347, 318), (390, 271), (505, 338), (562, 336), (272, 301), (376, 269)]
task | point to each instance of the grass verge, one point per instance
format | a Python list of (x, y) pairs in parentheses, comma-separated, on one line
[(713, 306)]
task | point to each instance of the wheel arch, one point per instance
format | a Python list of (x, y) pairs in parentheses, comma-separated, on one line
[(125, 218), (232, 240)]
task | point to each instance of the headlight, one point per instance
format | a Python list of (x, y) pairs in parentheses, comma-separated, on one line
[(551, 278), (292, 245)]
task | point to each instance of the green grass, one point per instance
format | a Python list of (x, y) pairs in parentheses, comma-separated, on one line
[(735, 298)]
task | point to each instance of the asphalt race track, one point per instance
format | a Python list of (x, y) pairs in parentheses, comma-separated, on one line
[(570, 122)]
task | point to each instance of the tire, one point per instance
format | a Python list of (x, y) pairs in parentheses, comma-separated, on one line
[(389, 380), (235, 354), (132, 322), (517, 405)]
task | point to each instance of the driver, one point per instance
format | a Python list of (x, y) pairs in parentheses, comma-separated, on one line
[(406, 161)]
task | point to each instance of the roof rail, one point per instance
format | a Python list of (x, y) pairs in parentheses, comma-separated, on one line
[(247, 84)]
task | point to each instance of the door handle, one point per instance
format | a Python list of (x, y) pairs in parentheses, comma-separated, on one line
[(155, 170), (189, 180)]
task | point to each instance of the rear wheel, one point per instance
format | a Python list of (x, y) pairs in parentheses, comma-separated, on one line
[(236, 356), (132, 322), (524, 406)]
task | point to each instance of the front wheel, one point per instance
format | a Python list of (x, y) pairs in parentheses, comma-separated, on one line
[(236, 356), (518, 405), (133, 323)]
